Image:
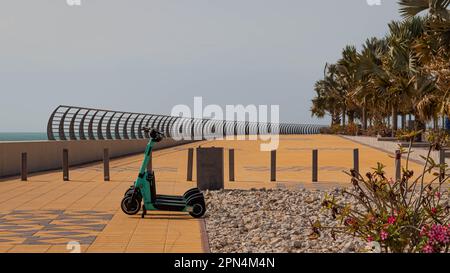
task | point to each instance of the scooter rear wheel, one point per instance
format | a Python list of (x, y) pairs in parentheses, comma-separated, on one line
[(130, 206), (198, 209)]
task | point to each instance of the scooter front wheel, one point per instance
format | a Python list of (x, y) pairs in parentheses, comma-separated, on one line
[(130, 205)]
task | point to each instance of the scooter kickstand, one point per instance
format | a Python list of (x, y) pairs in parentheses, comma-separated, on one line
[(144, 212)]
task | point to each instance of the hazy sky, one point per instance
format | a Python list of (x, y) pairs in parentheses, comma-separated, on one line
[(149, 55)]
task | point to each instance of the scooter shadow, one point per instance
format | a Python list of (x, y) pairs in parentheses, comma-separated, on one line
[(165, 217)]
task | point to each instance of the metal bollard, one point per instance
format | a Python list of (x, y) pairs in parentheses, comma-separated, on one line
[(315, 163), (398, 165), (190, 163), (356, 160), (231, 164), (273, 166), (24, 173), (66, 165), (106, 165)]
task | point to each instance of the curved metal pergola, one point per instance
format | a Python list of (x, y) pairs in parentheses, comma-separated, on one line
[(80, 123)]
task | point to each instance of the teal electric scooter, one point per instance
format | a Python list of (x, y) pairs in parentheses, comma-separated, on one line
[(144, 189)]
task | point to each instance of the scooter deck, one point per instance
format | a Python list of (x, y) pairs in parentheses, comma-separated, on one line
[(169, 205), (169, 197)]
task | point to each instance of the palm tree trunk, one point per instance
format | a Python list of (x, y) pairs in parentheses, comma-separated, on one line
[(403, 121), (351, 117), (334, 119), (344, 113), (394, 120), (420, 125), (364, 118), (409, 121)]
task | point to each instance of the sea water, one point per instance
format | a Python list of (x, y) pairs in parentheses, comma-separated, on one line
[(22, 136)]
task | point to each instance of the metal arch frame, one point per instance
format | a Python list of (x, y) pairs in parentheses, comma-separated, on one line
[(148, 117), (100, 127), (72, 135), (197, 128), (263, 128), (158, 119), (91, 126), (168, 125), (228, 128), (207, 127), (125, 126), (214, 128), (153, 120), (50, 134), (159, 127), (183, 124), (241, 127), (62, 134), (133, 125), (206, 124), (108, 126), (219, 128), (75, 120), (81, 132), (253, 128), (116, 127), (203, 123), (174, 126)]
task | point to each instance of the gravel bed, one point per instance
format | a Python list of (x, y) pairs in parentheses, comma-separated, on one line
[(272, 221)]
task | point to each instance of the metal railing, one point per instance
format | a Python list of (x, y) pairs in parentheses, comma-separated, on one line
[(80, 123)]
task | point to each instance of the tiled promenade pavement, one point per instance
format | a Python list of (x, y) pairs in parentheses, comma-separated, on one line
[(45, 213)]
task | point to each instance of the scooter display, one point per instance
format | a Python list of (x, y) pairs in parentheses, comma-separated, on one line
[(144, 190)]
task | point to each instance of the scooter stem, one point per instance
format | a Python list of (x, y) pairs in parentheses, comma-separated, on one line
[(147, 157)]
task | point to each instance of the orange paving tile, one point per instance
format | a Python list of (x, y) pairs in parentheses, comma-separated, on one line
[(88, 209), (29, 249)]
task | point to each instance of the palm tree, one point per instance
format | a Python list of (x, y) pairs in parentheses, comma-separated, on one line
[(433, 49), (347, 78), (407, 72), (437, 8), (390, 66), (329, 98), (401, 65), (366, 95)]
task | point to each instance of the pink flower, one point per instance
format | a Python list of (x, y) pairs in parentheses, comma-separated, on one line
[(391, 220), (369, 239), (439, 234), (384, 235), (438, 194), (424, 231), (433, 210), (428, 249)]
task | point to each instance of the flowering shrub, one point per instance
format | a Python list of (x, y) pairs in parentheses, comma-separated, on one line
[(410, 214), (350, 129)]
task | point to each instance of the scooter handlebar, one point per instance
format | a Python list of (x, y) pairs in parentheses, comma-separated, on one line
[(154, 134)]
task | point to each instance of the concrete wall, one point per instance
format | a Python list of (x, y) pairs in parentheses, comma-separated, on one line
[(47, 155)]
